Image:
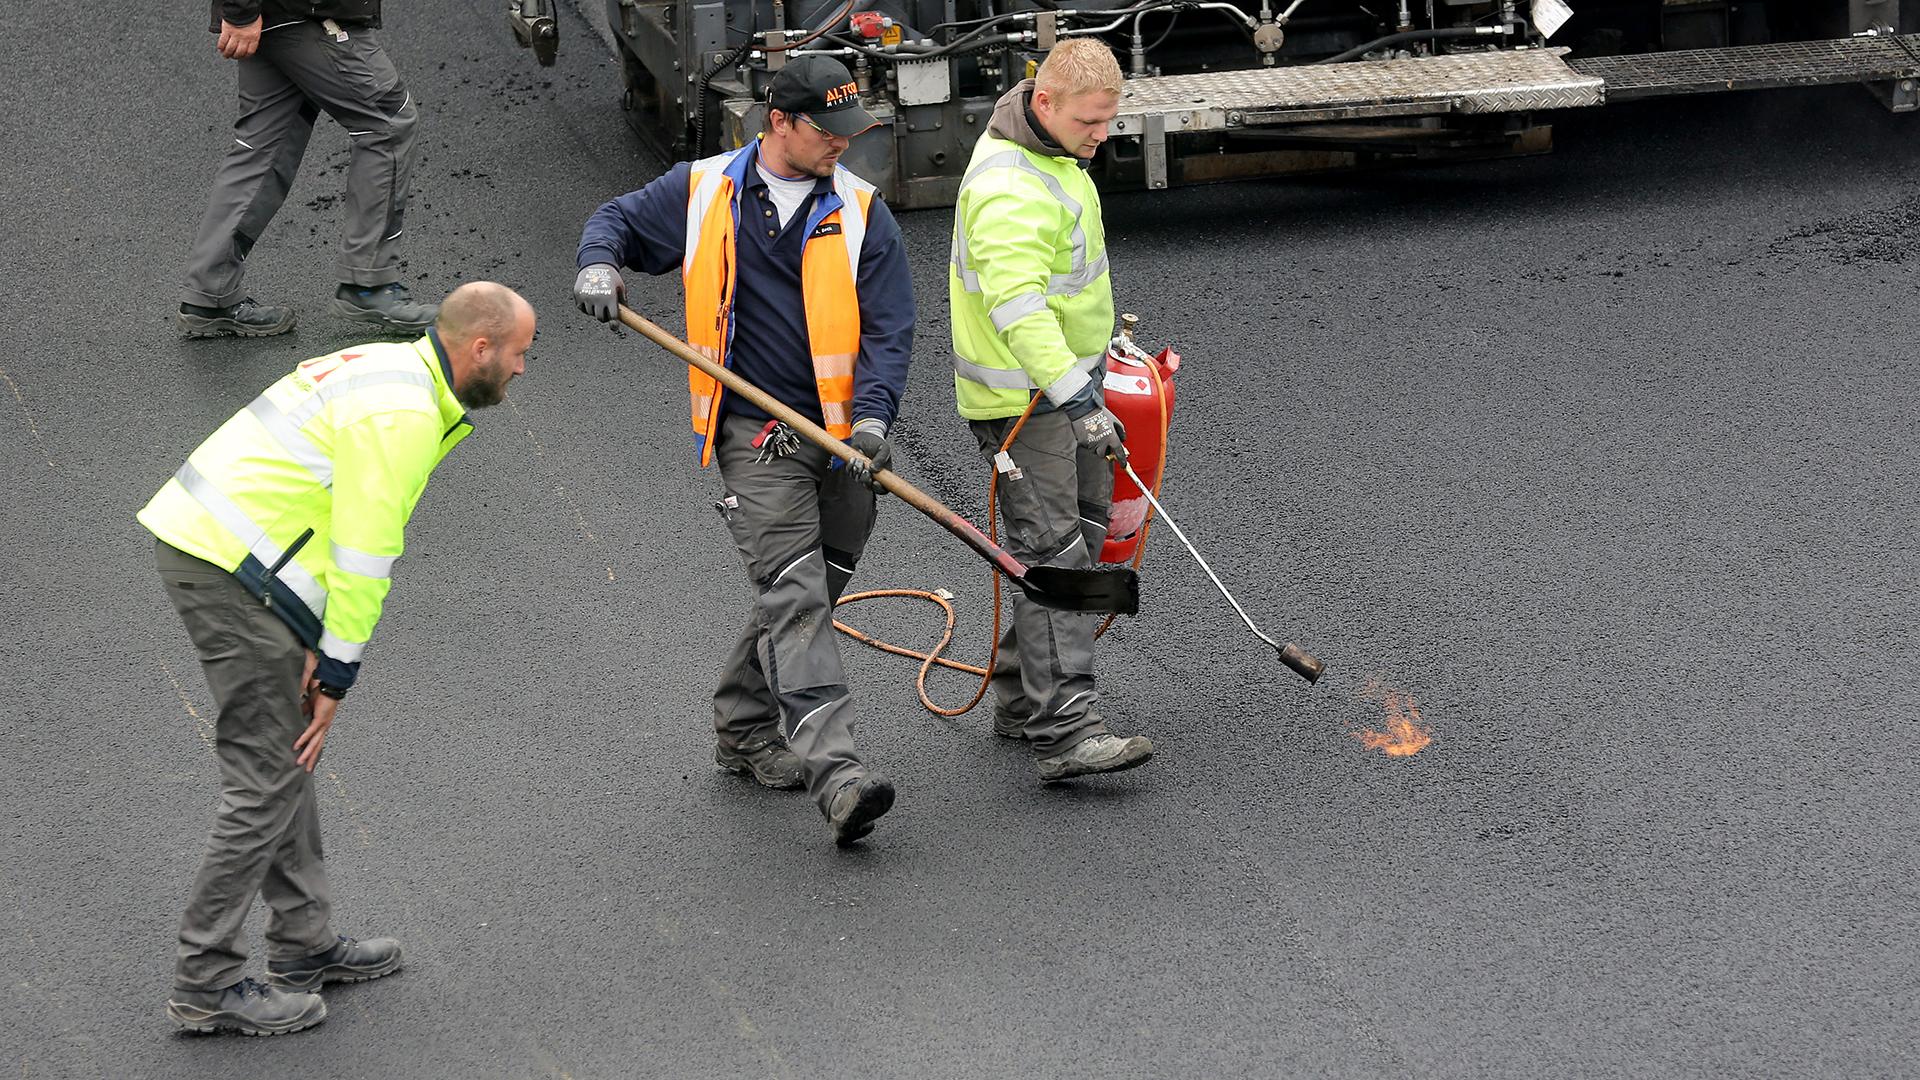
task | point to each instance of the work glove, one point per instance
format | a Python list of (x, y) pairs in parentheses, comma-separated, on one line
[(1094, 427), (1102, 432), (870, 438), (598, 290)]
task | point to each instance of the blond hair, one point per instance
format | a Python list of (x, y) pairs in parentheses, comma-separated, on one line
[(1076, 66)]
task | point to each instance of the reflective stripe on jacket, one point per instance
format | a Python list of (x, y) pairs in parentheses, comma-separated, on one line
[(327, 464), (829, 266), (1031, 299)]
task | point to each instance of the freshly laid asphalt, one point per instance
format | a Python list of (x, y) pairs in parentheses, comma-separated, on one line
[(1607, 458)]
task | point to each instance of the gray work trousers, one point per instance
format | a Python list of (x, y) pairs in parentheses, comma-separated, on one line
[(300, 70), (266, 833), (800, 527), (1054, 504)]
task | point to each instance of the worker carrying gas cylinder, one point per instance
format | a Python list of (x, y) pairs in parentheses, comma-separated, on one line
[(796, 279), (275, 541), (1032, 308)]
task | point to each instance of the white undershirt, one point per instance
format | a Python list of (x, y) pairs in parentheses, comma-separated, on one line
[(787, 195)]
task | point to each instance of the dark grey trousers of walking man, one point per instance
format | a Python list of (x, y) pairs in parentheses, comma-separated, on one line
[(800, 526), (290, 70)]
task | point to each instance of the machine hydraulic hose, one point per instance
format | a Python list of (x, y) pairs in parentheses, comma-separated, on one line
[(1411, 36)]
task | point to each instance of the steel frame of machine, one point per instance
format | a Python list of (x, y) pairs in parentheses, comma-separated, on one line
[(1224, 89)]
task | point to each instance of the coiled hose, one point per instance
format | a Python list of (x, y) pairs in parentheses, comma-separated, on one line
[(933, 657)]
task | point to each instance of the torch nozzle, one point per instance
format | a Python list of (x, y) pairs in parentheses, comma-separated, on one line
[(1303, 663)]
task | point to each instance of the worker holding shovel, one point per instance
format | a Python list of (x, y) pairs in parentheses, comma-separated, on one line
[(796, 279)]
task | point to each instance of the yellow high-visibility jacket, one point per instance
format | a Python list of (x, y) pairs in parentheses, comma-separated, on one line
[(317, 477), (1031, 299)]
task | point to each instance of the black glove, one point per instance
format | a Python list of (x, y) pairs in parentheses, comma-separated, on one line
[(598, 290), (1101, 432), (1094, 427), (871, 440)]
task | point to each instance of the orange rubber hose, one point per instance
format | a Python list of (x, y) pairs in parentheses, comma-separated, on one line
[(932, 658)]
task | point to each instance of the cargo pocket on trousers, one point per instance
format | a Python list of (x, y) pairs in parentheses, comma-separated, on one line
[(205, 603)]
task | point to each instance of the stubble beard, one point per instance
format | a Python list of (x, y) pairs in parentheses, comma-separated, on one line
[(482, 391)]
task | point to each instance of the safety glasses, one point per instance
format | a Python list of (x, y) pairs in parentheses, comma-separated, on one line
[(808, 120)]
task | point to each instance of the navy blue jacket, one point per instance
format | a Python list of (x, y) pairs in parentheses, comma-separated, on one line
[(646, 230), (243, 12)]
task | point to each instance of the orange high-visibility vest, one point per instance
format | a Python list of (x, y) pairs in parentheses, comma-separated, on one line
[(829, 266)]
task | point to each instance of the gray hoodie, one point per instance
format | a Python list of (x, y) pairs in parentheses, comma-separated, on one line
[(1013, 120)]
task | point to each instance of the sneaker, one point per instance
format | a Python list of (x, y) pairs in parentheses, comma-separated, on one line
[(1009, 726), (856, 806), (249, 1007), (391, 306), (1096, 754), (771, 764), (244, 319), (348, 961)]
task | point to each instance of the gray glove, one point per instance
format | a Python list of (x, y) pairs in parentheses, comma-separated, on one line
[(871, 440), (598, 290), (1101, 432)]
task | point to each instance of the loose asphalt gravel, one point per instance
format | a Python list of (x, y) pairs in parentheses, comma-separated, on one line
[(1605, 458)]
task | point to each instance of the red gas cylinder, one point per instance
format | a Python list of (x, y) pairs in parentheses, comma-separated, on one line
[(1140, 394)]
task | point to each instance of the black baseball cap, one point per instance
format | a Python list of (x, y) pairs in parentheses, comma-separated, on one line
[(823, 88)]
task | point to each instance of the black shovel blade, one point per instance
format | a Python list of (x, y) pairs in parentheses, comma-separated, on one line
[(1093, 588)]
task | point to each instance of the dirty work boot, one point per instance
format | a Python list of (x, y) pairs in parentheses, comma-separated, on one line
[(771, 764), (391, 306), (347, 961), (244, 319), (1096, 754), (856, 805), (1007, 725), (249, 1007)]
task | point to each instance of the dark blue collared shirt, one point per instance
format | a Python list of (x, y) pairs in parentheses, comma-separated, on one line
[(646, 230)]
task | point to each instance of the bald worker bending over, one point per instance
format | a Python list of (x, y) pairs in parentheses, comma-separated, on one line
[(275, 542)]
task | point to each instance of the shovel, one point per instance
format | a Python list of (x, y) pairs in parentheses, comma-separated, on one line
[(1095, 589)]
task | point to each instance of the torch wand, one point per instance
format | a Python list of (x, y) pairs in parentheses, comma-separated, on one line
[(1299, 660)]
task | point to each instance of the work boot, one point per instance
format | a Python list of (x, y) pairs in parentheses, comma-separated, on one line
[(348, 961), (771, 764), (1096, 754), (249, 1007), (1008, 725), (391, 306), (857, 805), (244, 319)]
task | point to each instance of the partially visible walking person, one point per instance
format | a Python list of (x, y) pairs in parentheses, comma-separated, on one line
[(275, 542), (297, 59)]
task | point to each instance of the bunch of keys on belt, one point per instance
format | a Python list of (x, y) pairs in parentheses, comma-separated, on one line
[(776, 440)]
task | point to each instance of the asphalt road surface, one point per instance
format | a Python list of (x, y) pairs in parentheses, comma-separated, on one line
[(1607, 459)]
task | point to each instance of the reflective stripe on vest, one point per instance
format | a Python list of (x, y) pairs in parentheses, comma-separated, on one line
[(1018, 379), (347, 652), (355, 561), (234, 520), (1083, 274), (284, 426), (829, 269)]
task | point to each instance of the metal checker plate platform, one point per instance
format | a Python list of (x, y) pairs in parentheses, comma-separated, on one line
[(1755, 67), (1489, 82)]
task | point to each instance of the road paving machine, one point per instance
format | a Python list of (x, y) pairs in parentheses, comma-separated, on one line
[(1221, 89)]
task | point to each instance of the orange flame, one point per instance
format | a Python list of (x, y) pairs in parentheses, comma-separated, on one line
[(1405, 735)]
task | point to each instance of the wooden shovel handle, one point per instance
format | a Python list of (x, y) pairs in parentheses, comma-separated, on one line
[(818, 435)]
